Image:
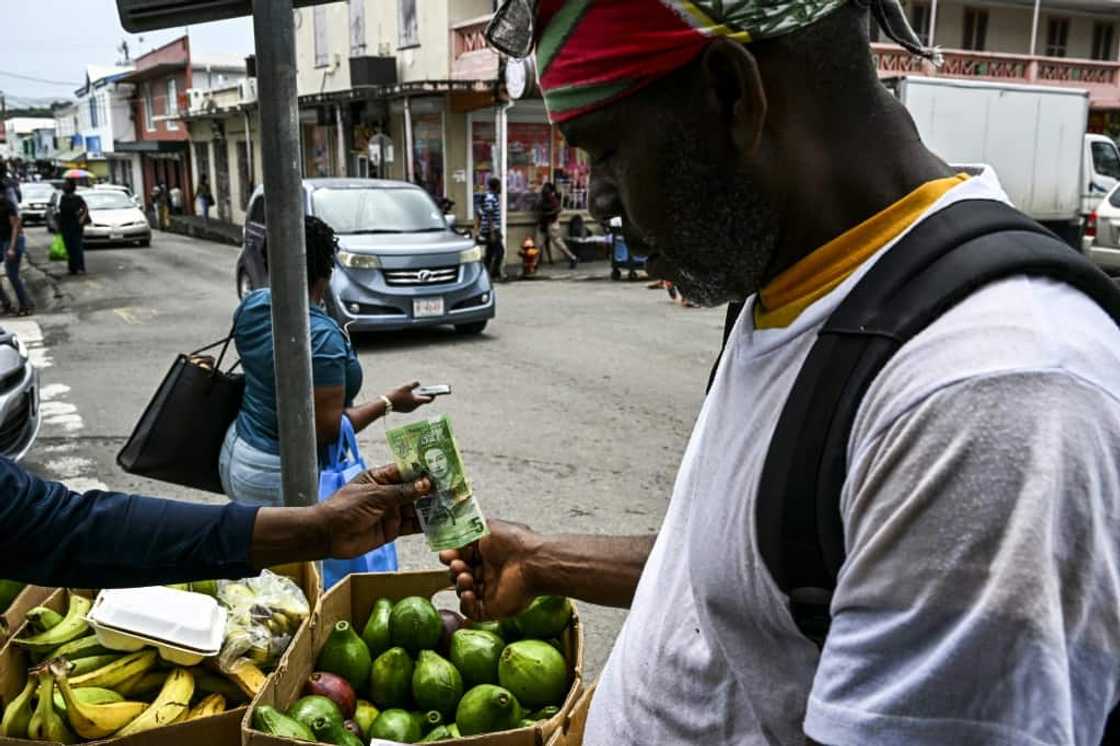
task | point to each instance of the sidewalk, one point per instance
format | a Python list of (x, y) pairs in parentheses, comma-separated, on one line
[(213, 229)]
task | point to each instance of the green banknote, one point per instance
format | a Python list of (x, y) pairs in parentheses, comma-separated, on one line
[(449, 516)]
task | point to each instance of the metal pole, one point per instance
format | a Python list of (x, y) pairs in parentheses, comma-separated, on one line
[(503, 169), (274, 29), (932, 23), (340, 157), (1034, 27), (408, 165)]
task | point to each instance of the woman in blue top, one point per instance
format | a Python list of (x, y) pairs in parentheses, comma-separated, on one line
[(250, 460)]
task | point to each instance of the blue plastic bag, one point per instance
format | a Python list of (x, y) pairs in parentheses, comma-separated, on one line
[(344, 464)]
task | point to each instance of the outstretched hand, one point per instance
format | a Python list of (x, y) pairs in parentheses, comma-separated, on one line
[(371, 511), (492, 575)]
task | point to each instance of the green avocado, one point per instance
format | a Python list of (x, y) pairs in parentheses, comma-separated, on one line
[(346, 655)]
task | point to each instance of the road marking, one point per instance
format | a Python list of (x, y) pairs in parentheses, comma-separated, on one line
[(132, 314), (60, 417)]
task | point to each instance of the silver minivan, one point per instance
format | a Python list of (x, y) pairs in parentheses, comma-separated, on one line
[(400, 263)]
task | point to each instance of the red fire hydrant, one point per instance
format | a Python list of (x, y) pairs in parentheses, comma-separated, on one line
[(530, 257)]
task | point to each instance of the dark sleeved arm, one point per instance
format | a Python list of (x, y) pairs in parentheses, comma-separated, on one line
[(52, 536)]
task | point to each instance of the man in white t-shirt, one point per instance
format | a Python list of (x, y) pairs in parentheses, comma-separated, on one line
[(979, 602)]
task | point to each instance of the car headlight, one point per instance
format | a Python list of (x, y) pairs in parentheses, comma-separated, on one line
[(473, 254), (359, 261)]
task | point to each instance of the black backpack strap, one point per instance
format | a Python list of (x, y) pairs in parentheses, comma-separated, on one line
[(940, 262)]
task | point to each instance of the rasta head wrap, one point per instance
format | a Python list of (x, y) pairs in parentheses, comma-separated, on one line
[(590, 53)]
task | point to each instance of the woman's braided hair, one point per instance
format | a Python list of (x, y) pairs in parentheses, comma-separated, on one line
[(322, 245)]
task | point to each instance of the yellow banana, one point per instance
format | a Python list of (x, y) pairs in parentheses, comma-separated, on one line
[(50, 726), (173, 700), (94, 721), (72, 625), (82, 647), (118, 671), (212, 704), (247, 676), (144, 684), (17, 715)]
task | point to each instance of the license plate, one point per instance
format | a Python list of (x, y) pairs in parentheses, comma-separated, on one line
[(425, 307), (116, 236)]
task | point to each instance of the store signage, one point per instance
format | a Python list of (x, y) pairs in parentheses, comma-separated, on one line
[(520, 77)]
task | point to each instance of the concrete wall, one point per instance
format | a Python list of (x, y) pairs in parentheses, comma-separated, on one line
[(313, 79), (202, 131)]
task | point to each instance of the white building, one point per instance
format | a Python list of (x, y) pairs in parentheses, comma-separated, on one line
[(28, 138), (103, 118)]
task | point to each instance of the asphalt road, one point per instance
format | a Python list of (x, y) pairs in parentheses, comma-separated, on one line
[(572, 410)]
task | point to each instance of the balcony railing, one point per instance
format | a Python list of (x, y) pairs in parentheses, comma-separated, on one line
[(1101, 79), (471, 57)]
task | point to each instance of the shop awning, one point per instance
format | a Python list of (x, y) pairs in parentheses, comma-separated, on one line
[(70, 156)]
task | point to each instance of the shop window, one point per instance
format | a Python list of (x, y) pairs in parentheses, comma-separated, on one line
[(484, 157), (1103, 35), (407, 24), (530, 157), (1057, 37), (357, 27), (317, 147), (427, 152), (571, 171), (975, 29)]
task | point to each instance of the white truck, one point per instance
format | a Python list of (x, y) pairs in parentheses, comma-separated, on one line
[(1033, 136)]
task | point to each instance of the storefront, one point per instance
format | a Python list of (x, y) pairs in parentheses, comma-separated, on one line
[(537, 154)]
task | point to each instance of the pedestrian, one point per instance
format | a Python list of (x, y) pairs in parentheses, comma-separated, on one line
[(127, 540), (72, 218), (962, 567), (13, 244), (163, 207), (250, 460), (488, 223), (176, 197), (548, 221), (203, 197)]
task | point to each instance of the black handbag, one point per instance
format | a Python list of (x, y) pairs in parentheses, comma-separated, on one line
[(179, 437)]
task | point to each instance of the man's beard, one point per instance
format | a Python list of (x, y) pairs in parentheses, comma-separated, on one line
[(722, 233)]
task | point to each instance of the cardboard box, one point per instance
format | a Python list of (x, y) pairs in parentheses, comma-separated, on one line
[(352, 599), (28, 598), (220, 730)]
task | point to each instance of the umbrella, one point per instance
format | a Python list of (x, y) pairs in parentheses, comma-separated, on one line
[(77, 173)]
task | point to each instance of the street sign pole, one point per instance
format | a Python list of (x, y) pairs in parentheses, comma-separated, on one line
[(274, 30)]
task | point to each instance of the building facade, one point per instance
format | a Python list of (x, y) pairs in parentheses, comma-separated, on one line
[(102, 120), (161, 79), (28, 139), (410, 90), (1067, 43)]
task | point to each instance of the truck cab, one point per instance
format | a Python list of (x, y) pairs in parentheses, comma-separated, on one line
[(1101, 168)]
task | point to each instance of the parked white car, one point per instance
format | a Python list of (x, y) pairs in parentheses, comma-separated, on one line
[(114, 218), (1103, 230)]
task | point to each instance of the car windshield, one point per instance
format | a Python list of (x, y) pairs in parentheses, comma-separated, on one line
[(106, 200), (377, 210), (36, 191)]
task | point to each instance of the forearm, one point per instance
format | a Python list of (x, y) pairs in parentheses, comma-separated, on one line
[(282, 535), (363, 415), (602, 570)]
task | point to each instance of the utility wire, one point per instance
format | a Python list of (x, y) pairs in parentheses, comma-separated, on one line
[(38, 80)]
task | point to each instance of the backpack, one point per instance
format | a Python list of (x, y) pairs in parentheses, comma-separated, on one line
[(943, 260)]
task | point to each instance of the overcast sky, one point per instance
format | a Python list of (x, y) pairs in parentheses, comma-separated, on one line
[(53, 40)]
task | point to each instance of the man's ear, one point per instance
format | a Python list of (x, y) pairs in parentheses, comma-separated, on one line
[(733, 88)]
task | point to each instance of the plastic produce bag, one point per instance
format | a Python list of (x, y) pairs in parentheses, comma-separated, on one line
[(345, 464), (263, 615), (58, 251)]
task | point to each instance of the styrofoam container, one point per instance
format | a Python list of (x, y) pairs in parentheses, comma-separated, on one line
[(185, 627)]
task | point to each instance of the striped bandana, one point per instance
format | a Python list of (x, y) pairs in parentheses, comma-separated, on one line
[(591, 53)]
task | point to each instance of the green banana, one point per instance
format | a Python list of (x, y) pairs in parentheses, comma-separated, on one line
[(83, 647), (51, 726), (17, 715), (91, 695), (120, 670), (72, 625), (213, 683), (82, 666), (41, 618)]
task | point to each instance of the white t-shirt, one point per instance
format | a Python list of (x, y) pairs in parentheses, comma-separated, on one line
[(980, 599)]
